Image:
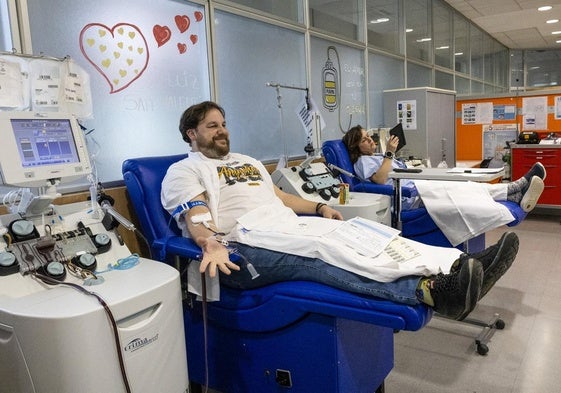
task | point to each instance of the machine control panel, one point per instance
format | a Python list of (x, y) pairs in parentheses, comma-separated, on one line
[(27, 251), (321, 181), (314, 182)]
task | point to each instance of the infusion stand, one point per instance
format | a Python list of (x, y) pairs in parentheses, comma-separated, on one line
[(278, 86)]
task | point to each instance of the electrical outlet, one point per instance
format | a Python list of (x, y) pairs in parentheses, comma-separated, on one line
[(283, 378)]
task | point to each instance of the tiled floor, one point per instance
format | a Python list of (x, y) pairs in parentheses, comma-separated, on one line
[(525, 357)]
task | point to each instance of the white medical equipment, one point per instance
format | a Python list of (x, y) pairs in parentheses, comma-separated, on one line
[(41, 150), (55, 338), (316, 182)]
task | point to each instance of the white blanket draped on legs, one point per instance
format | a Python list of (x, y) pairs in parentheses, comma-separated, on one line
[(281, 230), (463, 210)]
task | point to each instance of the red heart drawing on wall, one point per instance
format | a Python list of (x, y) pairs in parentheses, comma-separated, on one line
[(182, 47), (182, 22), (198, 16), (194, 38), (162, 34)]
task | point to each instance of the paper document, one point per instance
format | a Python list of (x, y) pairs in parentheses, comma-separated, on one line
[(474, 170), (400, 251), (365, 236), (555, 141)]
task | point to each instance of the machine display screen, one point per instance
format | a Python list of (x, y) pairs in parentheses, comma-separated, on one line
[(44, 141)]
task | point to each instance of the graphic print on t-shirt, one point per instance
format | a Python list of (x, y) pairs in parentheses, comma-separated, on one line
[(233, 173)]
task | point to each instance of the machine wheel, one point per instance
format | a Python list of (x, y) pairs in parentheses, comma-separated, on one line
[(500, 324), (482, 349)]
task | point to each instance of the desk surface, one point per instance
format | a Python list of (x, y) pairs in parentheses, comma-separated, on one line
[(468, 163), (476, 174)]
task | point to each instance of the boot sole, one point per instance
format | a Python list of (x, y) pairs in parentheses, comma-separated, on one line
[(530, 198), (508, 249), (474, 288)]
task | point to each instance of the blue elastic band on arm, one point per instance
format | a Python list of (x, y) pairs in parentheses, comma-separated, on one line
[(186, 206)]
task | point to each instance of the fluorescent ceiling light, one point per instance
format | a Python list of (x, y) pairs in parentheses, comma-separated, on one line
[(556, 32), (458, 53), (426, 39), (443, 47), (380, 20), (552, 21), (408, 30), (558, 41), (544, 8)]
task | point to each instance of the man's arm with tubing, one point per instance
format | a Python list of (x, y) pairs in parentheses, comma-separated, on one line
[(205, 233)]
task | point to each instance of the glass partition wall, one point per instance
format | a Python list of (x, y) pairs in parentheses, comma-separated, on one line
[(338, 54)]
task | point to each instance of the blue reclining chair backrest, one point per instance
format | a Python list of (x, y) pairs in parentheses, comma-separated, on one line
[(143, 178), (335, 152)]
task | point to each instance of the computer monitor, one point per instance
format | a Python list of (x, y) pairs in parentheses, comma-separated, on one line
[(41, 149)]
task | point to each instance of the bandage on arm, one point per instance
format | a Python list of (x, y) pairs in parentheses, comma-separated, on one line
[(198, 218), (203, 230)]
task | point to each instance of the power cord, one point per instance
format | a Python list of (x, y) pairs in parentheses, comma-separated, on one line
[(52, 281)]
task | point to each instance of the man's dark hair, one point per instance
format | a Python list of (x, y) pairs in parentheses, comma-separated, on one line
[(193, 115)]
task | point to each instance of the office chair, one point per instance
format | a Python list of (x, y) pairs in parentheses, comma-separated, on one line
[(418, 225), (300, 335)]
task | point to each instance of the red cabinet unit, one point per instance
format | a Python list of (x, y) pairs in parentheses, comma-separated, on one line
[(524, 156)]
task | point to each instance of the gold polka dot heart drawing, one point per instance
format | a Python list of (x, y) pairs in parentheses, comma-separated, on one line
[(119, 53)]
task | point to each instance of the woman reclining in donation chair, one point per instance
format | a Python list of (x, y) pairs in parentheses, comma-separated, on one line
[(473, 204)]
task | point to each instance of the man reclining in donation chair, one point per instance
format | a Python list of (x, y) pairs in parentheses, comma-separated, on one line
[(227, 203), (481, 206)]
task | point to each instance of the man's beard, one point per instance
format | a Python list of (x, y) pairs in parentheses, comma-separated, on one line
[(214, 150)]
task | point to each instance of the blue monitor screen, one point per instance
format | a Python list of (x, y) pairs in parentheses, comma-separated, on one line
[(44, 141)]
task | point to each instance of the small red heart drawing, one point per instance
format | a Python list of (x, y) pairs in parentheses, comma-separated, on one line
[(194, 38), (182, 47), (182, 22), (162, 34), (198, 16)]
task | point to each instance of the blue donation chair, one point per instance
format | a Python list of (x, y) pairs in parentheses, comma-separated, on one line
[(416, 223), (300, 335)]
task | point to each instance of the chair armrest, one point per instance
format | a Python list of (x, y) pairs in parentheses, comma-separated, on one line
[(374, 188), (176, 245), (384, 189)]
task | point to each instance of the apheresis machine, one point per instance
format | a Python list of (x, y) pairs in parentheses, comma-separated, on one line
[(78, 312)]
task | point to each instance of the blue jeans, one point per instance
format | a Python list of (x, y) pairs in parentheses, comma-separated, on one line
[(274, 266)]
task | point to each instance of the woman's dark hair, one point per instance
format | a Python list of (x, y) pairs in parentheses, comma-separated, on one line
[(352, 139), (193, 115)]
